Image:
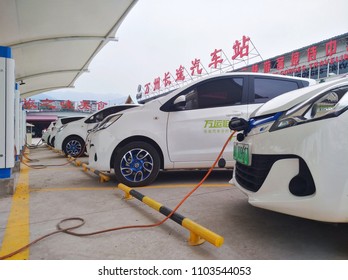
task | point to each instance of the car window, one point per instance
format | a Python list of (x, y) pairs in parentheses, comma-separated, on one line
[(102, 114), (113, 110), (97, 117), (215, 93), (67, 120), (266, 89)]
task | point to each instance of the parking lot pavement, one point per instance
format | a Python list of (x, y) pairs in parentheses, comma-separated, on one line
[(47, 195)]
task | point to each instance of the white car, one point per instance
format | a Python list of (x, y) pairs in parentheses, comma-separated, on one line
[(101, 125), (71, 138), (292, 155), (47, 132), (60, 123), (184, 129)]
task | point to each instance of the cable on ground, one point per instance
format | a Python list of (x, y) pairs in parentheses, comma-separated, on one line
[(69, 230)]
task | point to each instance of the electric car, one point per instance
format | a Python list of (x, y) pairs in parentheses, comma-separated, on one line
[(60, 123), (71, 138), (292, 154), (184, 129), (47, 132), (101, 125)]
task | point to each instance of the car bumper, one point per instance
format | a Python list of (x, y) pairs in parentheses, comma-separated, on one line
[(58, 142), (299, 171), (100, 150), (44, 137)]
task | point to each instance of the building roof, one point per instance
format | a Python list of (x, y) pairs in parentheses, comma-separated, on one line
[(53, 42), (41, 117)]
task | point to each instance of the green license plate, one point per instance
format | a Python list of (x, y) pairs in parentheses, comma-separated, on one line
[(241, 153)]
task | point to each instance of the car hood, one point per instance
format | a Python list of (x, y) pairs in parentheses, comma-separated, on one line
[(288, 100)]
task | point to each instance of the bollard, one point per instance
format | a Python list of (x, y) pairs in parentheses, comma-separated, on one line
[(103, 177), (198, 233), (77, 162)]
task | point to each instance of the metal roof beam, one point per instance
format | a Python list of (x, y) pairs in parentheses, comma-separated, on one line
[(51, 73), (62, 39), (102, 44)]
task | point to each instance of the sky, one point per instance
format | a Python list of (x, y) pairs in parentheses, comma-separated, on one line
[(158, 36)]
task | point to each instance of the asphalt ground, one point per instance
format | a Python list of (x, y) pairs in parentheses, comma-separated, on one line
[(53, 189)]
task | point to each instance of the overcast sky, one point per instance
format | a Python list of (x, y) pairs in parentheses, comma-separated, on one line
[(158, 36)]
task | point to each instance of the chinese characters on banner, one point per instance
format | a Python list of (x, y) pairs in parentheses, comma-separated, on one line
[(30, 104), (241, 49), (67, 105), (101, 105), (306, 62), (218, 60), (85, 105), (315, 61), (88, 106)]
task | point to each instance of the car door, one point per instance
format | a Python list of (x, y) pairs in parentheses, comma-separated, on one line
[(197, 131)]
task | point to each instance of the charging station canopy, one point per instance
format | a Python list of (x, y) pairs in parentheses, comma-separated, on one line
[(53, 42)]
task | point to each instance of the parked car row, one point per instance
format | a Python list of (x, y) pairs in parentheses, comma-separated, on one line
[(46, 133), (49, 135), (69, 133), (289, 155), (184, 129)]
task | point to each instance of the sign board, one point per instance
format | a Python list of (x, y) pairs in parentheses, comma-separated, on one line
[(317, 61)]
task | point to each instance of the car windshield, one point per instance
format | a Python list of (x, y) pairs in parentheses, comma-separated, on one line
[(68, 120)]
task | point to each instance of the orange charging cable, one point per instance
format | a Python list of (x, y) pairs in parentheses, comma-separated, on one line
[(69, 230)]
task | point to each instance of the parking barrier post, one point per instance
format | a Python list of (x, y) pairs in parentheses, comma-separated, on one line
[(198, 233), (77, 162), (103, 177)]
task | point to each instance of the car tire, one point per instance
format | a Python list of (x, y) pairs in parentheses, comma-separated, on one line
[(137, 164), (74, 146), (52, 141)]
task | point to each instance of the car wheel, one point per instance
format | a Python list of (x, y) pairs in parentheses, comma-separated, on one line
[(137, 164), (74, 146), (52, 141)]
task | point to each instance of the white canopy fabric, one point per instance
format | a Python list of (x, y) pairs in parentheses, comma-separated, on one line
[(54, 41)]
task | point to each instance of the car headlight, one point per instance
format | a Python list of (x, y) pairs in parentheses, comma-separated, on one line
[(109, 122), (61, 128), (327, 105)]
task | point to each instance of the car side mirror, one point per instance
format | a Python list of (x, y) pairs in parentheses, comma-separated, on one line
[(180, 102)]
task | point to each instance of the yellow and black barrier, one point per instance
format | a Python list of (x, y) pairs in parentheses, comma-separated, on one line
[(56, 150), (75, 160), (103, 177), (198, 233)]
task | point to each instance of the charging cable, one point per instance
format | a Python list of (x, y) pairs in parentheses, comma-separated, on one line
[(69, 230)]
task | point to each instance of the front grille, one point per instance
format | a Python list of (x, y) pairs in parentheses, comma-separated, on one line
[(252, 177)]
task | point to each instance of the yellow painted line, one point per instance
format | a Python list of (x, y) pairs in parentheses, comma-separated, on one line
[(186, 186), (72, 189), (17, 229), (49, 168), (113, 187)]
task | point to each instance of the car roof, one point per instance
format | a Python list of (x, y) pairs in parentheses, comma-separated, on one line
[(173, 92), (166, 97)]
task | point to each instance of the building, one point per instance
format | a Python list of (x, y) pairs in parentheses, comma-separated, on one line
[(317, 61)]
